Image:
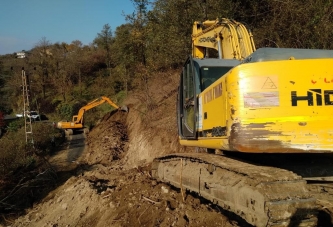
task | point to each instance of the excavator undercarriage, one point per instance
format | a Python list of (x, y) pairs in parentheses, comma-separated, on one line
[(261, 195)]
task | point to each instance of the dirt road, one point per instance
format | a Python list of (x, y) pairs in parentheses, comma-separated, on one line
[(69, 153)]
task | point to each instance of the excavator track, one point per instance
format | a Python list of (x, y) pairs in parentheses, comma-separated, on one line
[(262, 196)]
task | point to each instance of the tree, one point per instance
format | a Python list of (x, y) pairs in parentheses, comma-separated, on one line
[(138, 20), (168, 36), (62, 69), (104, 41), (41, 59), (124, 62)]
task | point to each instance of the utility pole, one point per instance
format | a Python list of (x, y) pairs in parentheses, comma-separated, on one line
[(26, 107)]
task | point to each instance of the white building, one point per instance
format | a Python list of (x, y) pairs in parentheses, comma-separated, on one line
[(20, 55)]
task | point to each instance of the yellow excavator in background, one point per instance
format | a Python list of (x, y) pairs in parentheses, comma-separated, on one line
[(268, 111), (77, 120)]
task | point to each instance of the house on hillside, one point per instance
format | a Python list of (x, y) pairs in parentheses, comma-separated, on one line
[(20, 55)]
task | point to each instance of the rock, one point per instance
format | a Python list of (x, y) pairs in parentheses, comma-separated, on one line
[(112, 206), (64, 206), (164, 189)]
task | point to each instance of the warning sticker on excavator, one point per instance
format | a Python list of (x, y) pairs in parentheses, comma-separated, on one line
[(257, 83), (261, 99), (269, 84)]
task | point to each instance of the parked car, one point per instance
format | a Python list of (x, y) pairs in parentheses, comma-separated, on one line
[(34, 115)]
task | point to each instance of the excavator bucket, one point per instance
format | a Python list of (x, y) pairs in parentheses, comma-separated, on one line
[(124, 108)]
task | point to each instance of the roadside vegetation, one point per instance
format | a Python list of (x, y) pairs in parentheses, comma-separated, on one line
[(24, 170), (120, 61)]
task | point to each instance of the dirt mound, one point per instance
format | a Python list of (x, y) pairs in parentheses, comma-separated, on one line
[(103, 196), (108, 141)]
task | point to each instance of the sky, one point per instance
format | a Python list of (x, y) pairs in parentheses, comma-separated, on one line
[(23, 23)]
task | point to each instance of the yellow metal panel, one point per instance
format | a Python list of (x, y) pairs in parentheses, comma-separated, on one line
[(282, 106), (214, 105), (213, 143)]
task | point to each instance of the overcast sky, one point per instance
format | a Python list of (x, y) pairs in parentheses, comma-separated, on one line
[(23, 23)]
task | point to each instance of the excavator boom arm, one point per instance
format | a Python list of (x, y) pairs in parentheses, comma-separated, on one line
[(230, 38), (93, 104)]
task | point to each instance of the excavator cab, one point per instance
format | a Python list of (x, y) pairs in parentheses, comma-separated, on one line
[(74, 118), (197, 75)]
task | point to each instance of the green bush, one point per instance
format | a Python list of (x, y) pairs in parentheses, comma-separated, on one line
[(65, 111), (120, 96), (15, 125), (15, 152)]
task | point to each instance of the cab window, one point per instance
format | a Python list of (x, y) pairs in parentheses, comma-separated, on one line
[(209, 75)]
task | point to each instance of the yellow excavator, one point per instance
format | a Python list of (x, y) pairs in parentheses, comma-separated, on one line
[(77, 120), (262, 116)]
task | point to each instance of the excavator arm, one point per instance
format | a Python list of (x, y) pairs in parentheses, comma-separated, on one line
[(230, 38), (79, 117)]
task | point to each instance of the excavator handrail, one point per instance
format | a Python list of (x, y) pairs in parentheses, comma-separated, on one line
[(79, 117)]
